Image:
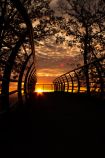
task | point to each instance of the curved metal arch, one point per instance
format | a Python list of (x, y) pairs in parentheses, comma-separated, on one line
[(67, 83), (55, 86), (79, 74), (29, 77), (8, 69), (72, 82), (58, 85), (21, 75), (63, 84), (11, 60), (32, 82), (25, 81)]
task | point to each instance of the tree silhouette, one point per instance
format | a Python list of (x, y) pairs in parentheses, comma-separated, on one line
[(85, 26), (82, 21)]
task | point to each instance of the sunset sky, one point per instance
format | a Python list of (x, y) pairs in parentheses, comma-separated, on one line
[(55, 59)]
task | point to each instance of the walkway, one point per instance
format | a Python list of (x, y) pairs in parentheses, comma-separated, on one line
[(49, 124)]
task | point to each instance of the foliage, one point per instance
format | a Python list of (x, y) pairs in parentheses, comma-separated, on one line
[(85, 26)]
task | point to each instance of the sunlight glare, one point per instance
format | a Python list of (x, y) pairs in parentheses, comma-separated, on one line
[(39, 91)]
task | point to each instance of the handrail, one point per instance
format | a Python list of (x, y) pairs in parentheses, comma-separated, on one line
[(19, 44), (76, 80), (97, 60)]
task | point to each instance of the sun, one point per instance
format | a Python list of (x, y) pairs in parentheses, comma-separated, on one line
[(39, 91)]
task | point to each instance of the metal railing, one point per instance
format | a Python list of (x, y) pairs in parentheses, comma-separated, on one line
[(17, 53), (75, 81)]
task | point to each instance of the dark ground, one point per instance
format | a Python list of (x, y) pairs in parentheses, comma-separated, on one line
[(50, 125)]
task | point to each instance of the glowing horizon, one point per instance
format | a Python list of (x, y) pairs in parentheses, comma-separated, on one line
[(44, 88)]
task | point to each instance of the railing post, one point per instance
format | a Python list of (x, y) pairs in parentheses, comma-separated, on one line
[(67, 83), (69, 77), (72, 83), (25, 81), (78, 81)]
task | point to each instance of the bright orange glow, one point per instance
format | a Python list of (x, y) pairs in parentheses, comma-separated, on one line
[(44, 88), (39, 91)]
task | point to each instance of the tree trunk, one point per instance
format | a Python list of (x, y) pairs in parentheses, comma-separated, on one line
[(86, 60), (87, 74)]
